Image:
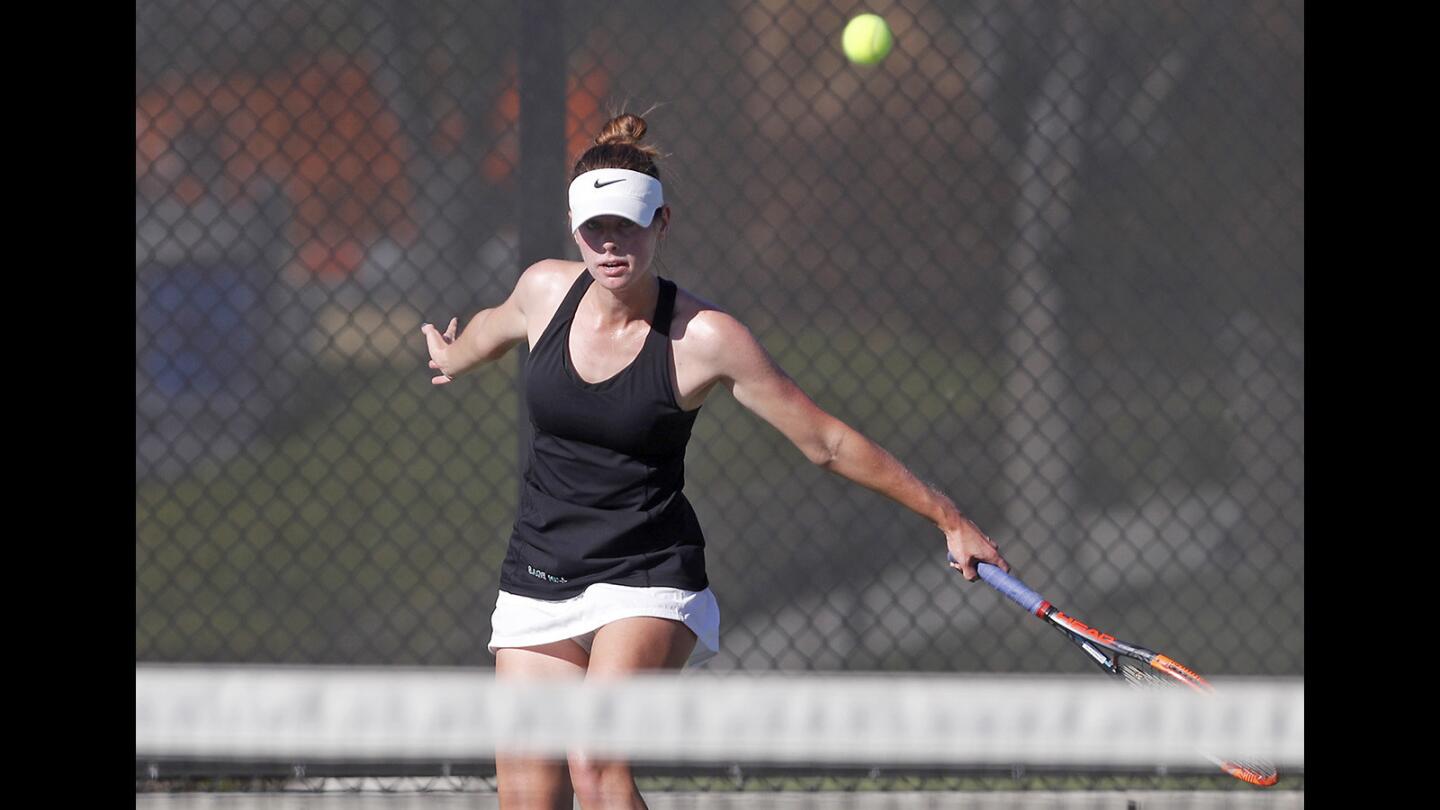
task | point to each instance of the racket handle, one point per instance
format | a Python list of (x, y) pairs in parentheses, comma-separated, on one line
[(1008, 585)]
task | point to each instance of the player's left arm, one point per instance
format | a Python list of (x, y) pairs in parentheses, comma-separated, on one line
[(742, 365)]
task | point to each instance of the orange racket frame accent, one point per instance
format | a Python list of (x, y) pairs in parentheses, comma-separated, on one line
[(1097, 644)]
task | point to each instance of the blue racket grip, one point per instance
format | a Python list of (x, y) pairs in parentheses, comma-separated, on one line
[(1012, 587)]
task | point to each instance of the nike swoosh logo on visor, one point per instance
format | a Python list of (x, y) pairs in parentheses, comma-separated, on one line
[(599, 184)]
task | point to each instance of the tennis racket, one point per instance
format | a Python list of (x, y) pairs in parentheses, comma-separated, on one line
[(1121, 661)]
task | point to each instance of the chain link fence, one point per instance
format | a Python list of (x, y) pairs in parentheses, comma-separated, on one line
[(1050, 255)]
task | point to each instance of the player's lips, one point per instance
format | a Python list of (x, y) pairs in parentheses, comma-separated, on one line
[(614, 267)]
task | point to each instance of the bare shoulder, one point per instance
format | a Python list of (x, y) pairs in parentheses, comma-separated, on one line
[(704, 327), (711, 337), (538, 293), (543, 284)]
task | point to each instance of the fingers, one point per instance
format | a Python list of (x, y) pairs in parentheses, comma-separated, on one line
[(448, 336), (967, 568), (974, 547), (442, 378), (992, 556), (432, 338), (436, 343), (989, 552), (994, 559), (970, 569), (967, 571)]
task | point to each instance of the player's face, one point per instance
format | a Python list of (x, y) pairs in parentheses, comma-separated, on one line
[(618, 251)]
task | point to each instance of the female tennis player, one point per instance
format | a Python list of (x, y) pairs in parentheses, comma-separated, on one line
[(605, 570)]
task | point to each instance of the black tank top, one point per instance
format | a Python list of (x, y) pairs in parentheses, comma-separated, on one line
[(601, 500)]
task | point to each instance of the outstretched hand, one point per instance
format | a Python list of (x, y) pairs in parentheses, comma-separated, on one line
[(439, 345), (968, 547)]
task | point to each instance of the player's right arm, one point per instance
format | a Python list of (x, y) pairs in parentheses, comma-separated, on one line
[(488, 336)]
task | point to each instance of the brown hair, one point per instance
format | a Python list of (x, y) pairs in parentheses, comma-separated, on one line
[(618, 147)]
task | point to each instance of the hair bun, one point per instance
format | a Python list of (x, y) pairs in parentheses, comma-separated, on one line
[(626, 128), (618, 147)]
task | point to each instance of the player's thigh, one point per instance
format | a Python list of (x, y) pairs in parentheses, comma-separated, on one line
[(526, 782), (626, 646), (556, 660), (640, 643)]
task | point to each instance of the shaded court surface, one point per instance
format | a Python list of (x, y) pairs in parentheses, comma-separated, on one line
[(997, 800)]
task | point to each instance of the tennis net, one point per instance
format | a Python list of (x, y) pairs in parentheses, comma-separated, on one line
[(717, 739)]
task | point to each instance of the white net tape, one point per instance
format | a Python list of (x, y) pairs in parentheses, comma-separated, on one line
[(396, 714)]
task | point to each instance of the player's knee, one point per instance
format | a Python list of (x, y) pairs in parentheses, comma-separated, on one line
[(601, 783), (525, 783)]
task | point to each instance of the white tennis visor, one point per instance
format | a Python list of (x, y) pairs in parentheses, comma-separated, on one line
[(614, 192)]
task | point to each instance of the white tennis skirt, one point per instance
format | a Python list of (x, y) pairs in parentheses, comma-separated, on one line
[(520, 621)]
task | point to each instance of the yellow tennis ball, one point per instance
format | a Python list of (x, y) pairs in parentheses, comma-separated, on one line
[(867, 39)]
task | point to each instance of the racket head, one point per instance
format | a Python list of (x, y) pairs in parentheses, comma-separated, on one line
[(1166, 673), (1255, 771), (1179, 672), (1137, 666)]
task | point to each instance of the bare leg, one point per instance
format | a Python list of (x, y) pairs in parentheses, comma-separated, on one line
[(623, 647), (528, 783)]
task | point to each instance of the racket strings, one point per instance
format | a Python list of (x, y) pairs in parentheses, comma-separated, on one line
[(1142, 678), (1248, 769)]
